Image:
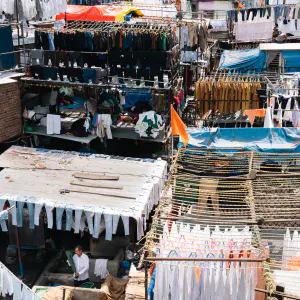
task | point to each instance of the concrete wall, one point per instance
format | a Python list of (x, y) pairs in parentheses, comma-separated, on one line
[(82, 294), (50, 274)]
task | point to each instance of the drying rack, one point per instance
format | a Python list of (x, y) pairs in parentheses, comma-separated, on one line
[(94, 26)]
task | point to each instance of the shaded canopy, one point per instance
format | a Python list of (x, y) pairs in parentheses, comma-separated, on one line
[(98, 13)]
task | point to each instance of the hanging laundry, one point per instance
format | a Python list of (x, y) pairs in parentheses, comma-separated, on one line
[(149, 124), (104, 122), (101, 268), (296, 115), (268, 123), (227, 94)]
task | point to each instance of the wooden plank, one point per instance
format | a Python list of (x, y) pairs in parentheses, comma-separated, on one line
[(93, 176), (95, 185), (23, 152), (96, 193)]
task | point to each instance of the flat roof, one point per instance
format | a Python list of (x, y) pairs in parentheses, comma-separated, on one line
[(31, 172), (9, 77)]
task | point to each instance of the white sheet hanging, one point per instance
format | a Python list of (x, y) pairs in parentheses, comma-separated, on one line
[(241, 295), (220, 287), (256, 29), (53, 124), (101, 268)]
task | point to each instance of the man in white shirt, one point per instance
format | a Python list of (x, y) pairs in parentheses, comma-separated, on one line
[(82, 264)]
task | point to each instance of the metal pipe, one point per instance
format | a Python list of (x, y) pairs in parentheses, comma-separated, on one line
[(19, 254), (33, 81), (12, 52)]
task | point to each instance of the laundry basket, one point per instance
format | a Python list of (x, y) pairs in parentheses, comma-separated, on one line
[(87, 285)]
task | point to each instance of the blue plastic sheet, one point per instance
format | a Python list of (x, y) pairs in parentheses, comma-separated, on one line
[(134, 96), (291, 60), (78, 102), (257, 139), (243, 60)]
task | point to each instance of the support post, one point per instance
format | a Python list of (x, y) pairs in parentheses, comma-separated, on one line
[(19, 254), (146, 279)]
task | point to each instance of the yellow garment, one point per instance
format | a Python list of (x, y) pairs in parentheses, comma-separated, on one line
[(227, 94), (125, 11)]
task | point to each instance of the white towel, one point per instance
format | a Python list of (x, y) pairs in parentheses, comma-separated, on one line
[(268, 120), (101, 268), (53, 124)]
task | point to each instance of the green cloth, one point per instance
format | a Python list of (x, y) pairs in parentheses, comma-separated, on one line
[(164, 42), (108, 100), (69, 255)]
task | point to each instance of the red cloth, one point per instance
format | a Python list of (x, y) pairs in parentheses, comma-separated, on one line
[(252, 113), (177, 100), (91, 13)]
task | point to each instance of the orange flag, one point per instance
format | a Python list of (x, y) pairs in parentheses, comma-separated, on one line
[(178, 127)]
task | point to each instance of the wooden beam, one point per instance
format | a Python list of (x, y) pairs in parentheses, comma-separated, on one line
[(66, 191), (94, 176)]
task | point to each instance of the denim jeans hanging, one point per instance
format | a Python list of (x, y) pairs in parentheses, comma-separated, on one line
[(88, 213), (49, 206), (97, 222), (78, 214), (69, 217), (60, 208), (30, 207), (20, 206), (13, 212), (2, 202), (125, 220), (115, 223), (3, 218), (38, 207), (108, 218), (140, 230)]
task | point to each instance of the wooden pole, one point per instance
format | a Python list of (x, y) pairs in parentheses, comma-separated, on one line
[(278, 294), (204, 259)]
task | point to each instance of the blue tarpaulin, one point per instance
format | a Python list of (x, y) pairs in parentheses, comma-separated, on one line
[(291, 60), (256, 139), (243, 60), (134, 96)]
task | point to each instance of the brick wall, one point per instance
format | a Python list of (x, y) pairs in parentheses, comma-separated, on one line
[(10, 111)]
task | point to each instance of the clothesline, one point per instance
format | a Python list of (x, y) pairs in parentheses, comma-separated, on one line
[(265, 6), (54, 83), (91, 26), (203, 259)]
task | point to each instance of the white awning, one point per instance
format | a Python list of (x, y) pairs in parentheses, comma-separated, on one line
[(276, 47)]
